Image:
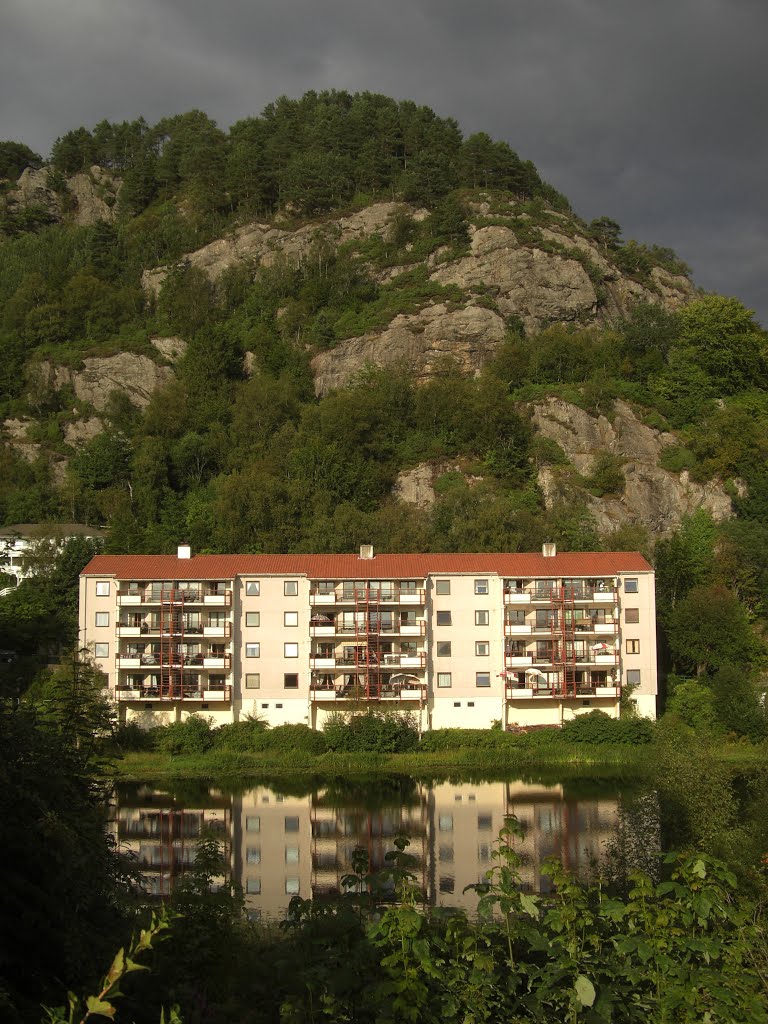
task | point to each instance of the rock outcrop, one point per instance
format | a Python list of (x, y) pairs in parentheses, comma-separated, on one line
[(654, 497), (89, 197), (135, 375)]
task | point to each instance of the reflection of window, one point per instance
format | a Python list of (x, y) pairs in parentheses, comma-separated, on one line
[(290, 618), (633, 677), (481, 586), (102, 618), (445, 823), (483, 852), (633, 646), (446, 854), (443, 680), (442, 587), (446, 883), (482, 649), (253, 886), (291, 681), (253, 855), (292, 823), (253, 618), (292, 886), (631, 614), (482, 678), (630, 586), (481, 618), (252, 824), (484, 822), (253, 650), (252, 680), (290, 650), (443, 618), (444, 649), (291, 855), (102, 588), (101, 650), (291, 588)]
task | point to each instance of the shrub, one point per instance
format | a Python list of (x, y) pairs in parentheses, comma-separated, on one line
[(130, 737), (193, 736), (379, 730), (599, 728), (240, 736)]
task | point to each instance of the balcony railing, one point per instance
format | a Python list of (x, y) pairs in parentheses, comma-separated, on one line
[(385, 661), (549, 690), (176, 691), (385, 690), (318, 627), (368, 595), (178, 595)]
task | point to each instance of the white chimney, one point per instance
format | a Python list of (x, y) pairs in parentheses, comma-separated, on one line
[(366, 551), (184, 551), (549, 549)]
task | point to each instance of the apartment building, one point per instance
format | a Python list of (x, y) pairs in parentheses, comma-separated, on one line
[(457, 639)]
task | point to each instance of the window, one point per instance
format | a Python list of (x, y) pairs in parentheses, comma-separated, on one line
[(445, 823), (291, 855), (633, 677), (633, 646), (447, 884), (253, 886), (291, 588), (443, 618), (483, 852), (484, 822), (101, 650), (630, 586), (444, 649), (253, 855), (252, 588), (102, 588), (445, 852), (253, 650), (253, 824), (290, 618), (253, 618), (631, 614), (292, 886), (482, 648), (481, 586), (252, 680), (292, 824), (290, 650), (102, 618), (443, 680), (291, 681), (545, 617), (442, 587), (482, 618), (482, 678)]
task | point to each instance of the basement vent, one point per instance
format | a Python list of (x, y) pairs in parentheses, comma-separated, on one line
[(184, 551), (366, 551), (549, 550)]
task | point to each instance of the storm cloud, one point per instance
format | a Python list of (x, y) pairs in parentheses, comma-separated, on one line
[(651, 113)]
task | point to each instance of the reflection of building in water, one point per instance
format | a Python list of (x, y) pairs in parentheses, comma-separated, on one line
[(280, 846), (162, 833)]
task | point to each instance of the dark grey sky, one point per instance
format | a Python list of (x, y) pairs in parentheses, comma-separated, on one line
[(652, 112)]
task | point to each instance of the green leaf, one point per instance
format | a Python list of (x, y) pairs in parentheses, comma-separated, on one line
[(100, 1007), (700, 869), (528, 903), (585, 991)]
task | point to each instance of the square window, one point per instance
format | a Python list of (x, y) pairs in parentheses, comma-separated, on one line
[(290, 682), (482, 648), (253, 618), (253, 886), (484, 822), (445, 823), (253, 588), (443, 618), (292, 886), (633, 677), (482, 678), (445, 853), (102, 618), (447, 884), (442, 587), (253, 855), (291, 855), (292, 824), (482, 618), (631, 614), (101, 650), (630, 586), (444, 649), (481, 586), (633, 646), (102, 588), (444, 680), (290, 650), (253, 650), (253, 680), (483, 852), (290, 618), (252, 824), (291, 588)]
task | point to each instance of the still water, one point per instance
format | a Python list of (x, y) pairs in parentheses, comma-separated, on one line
[(281, 840)]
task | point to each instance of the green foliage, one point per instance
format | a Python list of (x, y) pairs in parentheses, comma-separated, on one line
[(694, 703), (375, 729), (599, 728), (708, 629), (15, 157), (192, 736), (606, 476)]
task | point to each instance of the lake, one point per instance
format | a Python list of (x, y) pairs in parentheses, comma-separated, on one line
[(285, 840)]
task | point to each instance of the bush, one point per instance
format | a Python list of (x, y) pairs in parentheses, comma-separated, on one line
[(380, 730), (193, 736), (131, 738), (240, 736), (294, 737), (599, 728)]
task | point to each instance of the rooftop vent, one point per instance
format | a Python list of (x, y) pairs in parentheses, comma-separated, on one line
[(366, 551), (184, 551), (549, 550)]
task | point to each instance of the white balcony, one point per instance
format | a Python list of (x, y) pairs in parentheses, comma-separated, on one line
[(323, 695), (216, 695), (128, 598), (410, 693), (603, 596), (128, 662), (128, 630), (606, 691), (323, 663), (519, 660), (322, 597), (216, 662), (324, 630), (412, 628), (412, 661), (516, 597), (411, 597), (215, 631), (520, 691), (606, 658), (128, 694), (605, 627), (519, 629), (216, 599)]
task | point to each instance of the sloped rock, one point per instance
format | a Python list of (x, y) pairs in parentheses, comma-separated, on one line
[(135, 375), (80, 432), (16, 433), (171, 349), (95, 195)]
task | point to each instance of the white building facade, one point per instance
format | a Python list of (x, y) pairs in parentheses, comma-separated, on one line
[(457, 639)]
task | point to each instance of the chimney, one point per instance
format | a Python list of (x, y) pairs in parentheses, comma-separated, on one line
[(366, 551), (549, 549), (184, 551)]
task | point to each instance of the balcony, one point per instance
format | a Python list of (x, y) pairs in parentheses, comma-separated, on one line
[(517, 629), (130, 597), (519, 660), (220, 661), (175, 691), (322, 664), (517, 597), (322, 597), (418, 628), (218, 598), (322, 628), (222, 630), (123, 630), (129, 661)]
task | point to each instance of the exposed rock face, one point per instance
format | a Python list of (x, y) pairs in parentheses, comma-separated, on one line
[(171, 349), (93, 194), (32, 190), (417, 486), (653, 497), (470, 336), (136, 375), (16, 432), (81, 431)]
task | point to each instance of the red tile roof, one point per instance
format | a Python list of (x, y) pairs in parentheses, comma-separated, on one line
[(345, 567)]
